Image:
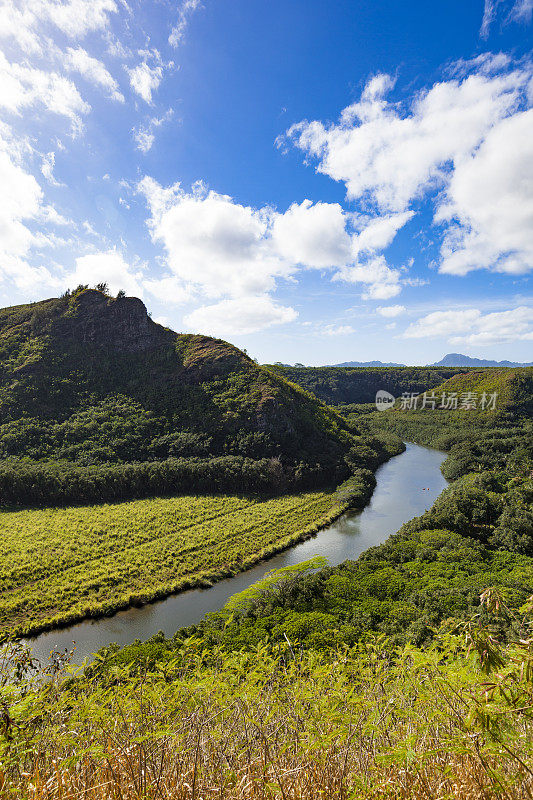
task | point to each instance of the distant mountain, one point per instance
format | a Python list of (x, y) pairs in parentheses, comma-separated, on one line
[(367, 364), (460, 360)]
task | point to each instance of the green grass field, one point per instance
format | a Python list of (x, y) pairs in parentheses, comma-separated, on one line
[(62, 565)]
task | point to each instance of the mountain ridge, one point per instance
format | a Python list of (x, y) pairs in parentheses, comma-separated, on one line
[(460, 360)]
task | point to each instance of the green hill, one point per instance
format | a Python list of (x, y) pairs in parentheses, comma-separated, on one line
[(90, 381), (513, 387)]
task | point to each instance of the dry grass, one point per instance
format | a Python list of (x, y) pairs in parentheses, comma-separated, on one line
[(262, 725)]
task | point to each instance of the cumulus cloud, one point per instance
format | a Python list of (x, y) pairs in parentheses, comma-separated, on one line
[(238, 316), (465, 143), (224, 248), (471, 326), (381, 281), (169, 289), (390, 311), (379, 232), (391, 157), (109, 267), (219, 245), (94, 71), (19, 209), (312, 235), (489, 204)]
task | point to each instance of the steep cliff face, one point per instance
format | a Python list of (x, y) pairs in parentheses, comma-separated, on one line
[(119, 324), (93, 374)]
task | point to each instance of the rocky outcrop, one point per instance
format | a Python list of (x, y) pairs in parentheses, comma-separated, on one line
[(120, 324)]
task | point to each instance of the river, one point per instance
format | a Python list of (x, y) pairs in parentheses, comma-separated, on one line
[(407, 485)]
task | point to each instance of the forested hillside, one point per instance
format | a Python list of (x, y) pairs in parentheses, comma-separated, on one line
[(336, 385), (90, 384)]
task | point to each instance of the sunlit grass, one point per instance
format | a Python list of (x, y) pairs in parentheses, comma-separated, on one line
[(60, 565)]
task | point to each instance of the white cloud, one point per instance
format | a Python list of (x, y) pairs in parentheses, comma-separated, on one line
[(227, 249), (24, 21), (77, 18), (380, 280), (169, 289), (379, 232), (467, 142), (390, 311), (443, 323), (221, 249), (185, 10), (19, 208), (239, 316), (312, 235), (213, 242), (27, 87), (145, 79), (338, 330), (392, 157), (489, 13), (144, 139), (109, 267), (520, 11), (489, 204), (144, 136), (471, 327), (47, 168), (94, 71)]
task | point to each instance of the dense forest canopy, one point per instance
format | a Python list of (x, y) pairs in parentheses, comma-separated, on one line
[(336, 385)]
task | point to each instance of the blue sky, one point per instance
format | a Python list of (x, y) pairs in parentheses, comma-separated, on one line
[(317, 182)]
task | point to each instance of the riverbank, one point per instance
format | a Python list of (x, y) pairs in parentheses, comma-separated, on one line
[(64, 565), (406, 486)]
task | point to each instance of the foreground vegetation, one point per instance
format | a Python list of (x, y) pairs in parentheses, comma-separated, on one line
[(371, 722)]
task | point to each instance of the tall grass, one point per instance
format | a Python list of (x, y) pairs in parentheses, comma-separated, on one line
[(368, 722)]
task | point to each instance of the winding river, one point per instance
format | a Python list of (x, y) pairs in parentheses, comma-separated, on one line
[(407, 485)]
